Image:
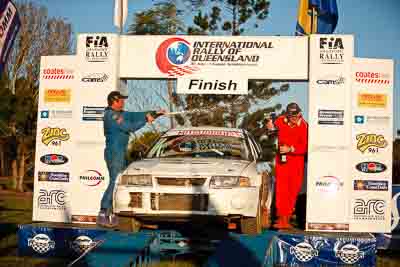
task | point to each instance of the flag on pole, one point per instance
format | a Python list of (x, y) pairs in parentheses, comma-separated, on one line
[(317, 16), (9, 27), (120, 13)]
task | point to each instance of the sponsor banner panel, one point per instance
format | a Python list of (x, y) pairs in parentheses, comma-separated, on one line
[(328, 173), (395, 205), (370, 211), (98, 56), (90, 181), (177, 56), (211, 84), (52, 202), (327, 188)]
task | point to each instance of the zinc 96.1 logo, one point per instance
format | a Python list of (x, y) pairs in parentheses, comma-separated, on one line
[(172, 57)]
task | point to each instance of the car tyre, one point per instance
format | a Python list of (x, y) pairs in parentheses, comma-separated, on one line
[(128, 224), (251, 225)]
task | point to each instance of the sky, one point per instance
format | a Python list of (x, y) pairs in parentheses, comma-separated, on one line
[(374, 24)]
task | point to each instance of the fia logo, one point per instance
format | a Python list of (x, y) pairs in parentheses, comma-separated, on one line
[(331, 43), (97, 48), (54, 136)]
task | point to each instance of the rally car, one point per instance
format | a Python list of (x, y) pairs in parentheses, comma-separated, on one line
[(194, 173)]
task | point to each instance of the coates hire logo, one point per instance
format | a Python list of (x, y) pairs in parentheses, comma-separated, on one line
[(57, 74), (53, 159), (95, 78), (91, 178), (368, 77), (371, 167)]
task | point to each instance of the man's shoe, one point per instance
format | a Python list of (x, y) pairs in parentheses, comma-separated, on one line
[(105, 219)]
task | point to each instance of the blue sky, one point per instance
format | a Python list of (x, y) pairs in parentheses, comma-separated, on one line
[(374, 24)]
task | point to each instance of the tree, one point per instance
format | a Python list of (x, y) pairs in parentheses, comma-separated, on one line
[(39, 35), (240, 12)]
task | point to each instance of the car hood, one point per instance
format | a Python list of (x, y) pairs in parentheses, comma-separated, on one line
[(188, 166)]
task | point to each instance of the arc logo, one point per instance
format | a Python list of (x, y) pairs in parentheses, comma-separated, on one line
[(172, 57), (371, 142), (371, 209), (371, 167), (54, 136), (51, 199), (91, 178)]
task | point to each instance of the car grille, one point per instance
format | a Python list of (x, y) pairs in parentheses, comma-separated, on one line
[(181, 202), (181, 181)]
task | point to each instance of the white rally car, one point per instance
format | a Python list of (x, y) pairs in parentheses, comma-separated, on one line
[(193, 173)]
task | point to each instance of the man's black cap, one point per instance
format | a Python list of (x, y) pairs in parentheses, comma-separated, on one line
[(292, 109), (115, 95)]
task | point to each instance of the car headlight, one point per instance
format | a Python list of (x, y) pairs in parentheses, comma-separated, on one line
[(139, 180), (229, 181)]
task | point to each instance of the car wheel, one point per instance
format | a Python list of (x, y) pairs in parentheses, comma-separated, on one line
[(251, 225), (128, 224)]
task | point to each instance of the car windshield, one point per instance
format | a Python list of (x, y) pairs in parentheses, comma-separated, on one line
[(200, 146)]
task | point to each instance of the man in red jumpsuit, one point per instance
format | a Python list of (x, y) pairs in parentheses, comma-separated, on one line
[(289, 166)]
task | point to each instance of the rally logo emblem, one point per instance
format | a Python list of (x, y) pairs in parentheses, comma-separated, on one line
[(172, 57), (41, 243), (81, 244), (349, 254), (370, 142), (304, 252), (54, 136)]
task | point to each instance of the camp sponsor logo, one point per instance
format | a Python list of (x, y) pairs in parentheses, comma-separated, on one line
[(53, 159), (331, 80), (57, 95), (177, 57), (81, 244), (91, 178), (369, 209), (369, 77), (90, 113), (371, 167), (303, 251), (53, 176), (367, 100), (328, 184), (95, 78), (330, 117), (57, 74), (97, 48), (331, 50), (371, 185), (348, 253), (41, 243), (56, 114), (54, 136), (51, 199), (370, 142)]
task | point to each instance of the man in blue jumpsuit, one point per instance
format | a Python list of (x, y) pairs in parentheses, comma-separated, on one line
[(118, 124)]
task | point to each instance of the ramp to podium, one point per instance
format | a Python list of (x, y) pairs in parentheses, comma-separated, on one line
[(271, 248)]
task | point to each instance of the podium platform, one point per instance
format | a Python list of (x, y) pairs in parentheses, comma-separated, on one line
[(103, 247)]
